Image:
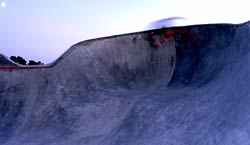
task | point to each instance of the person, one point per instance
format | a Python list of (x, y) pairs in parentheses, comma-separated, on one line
[(157, 40)]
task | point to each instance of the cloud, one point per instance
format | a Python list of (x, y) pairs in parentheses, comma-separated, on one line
[(167, 22)]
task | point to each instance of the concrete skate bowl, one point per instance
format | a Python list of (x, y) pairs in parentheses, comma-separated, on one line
[(120, 90)]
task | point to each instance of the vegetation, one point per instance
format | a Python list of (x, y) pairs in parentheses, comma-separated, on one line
[(32, 62), (22, 61)]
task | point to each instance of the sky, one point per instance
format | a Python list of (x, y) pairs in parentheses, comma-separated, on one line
[(43, 30)]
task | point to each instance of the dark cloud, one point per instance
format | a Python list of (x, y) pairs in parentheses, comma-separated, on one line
[(167, 22)]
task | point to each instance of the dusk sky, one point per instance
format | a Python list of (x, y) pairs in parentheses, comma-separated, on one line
[(43, 30)]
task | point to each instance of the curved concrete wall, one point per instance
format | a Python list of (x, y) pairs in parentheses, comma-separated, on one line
[(121, 91)]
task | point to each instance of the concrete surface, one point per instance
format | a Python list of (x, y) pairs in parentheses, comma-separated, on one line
[(121, 91), (5, 61)]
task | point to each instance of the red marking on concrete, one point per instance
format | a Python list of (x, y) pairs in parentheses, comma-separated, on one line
[(171, 33), (185, 33), (22, 67)]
